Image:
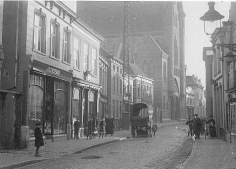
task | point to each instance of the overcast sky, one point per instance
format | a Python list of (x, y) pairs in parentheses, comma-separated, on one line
[(195, 38)]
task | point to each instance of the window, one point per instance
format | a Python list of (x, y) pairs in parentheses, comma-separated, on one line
[(54, 40), (145, 67), (66, 46), (164, 71), (117, 108), (39, 33), (120, 71), (86, 56), (117, 85), (121, 86), (94, 61), (114, 68), (114, 107), (151, 69), (77, 53), (117, 70), (114, 84)]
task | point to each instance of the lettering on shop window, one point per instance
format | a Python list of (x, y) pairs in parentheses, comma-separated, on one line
[(53, 71)]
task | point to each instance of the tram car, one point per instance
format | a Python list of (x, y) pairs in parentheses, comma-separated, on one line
[(140, 126)]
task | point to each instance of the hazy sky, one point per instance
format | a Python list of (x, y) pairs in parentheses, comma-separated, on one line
[(195, 38)]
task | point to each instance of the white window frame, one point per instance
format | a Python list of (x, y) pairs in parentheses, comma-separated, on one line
[(77, 53), (86, 57), (66, 46), (94, 61), (39, 33)]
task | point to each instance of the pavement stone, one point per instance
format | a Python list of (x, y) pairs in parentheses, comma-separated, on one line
[(211, 154), (15, 158)]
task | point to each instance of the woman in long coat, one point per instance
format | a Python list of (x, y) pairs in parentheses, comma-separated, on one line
[(38, 139), (212, 128)]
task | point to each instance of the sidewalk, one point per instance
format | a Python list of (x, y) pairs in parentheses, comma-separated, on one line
[(16, 158), (211, 154)]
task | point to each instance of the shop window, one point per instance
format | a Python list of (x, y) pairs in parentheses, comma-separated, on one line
[(66, 46), (55, 40), (77, 53), (59, 116), (39, 32), (94, 61), (36, 102)]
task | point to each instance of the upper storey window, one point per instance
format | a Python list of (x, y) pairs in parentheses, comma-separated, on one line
[(39, 32)]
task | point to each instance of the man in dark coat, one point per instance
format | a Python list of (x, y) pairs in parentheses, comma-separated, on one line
[(38, 139), (197, 126), (90, 126), (76, 128), (212, 128)]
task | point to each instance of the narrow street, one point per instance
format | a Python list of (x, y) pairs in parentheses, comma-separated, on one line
[(167, 149)]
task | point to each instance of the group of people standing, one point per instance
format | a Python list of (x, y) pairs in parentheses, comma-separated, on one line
[(196, 126), (94, 128)]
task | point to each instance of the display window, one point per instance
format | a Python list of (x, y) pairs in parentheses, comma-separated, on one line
[(36, 102)]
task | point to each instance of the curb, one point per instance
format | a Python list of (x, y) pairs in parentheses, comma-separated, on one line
[(25, 163), (185, 163)]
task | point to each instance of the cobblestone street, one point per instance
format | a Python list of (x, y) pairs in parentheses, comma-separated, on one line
[(162, 151)]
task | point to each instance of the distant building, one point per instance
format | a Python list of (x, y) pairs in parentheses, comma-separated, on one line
[(157, 31), (195, 89)]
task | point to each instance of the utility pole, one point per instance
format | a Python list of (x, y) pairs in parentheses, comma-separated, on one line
[(126, 66)]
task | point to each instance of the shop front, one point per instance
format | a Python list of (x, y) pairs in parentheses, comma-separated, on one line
[(49, 93), (85, 102)]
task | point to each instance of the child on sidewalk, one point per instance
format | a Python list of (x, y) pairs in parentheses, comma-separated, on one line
[(38, 139)]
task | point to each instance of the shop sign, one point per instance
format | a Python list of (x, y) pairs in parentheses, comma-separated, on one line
[(50, 70), (53, 71)]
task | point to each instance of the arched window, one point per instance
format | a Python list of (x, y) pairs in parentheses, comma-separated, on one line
[(145, 67), (164, 71), (151, 69)]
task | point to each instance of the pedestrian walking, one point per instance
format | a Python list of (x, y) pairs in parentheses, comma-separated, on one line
[(38, 139), (196, 126), (76, 128), (102, 126), (212, 128), (190, 126), (89, 133)]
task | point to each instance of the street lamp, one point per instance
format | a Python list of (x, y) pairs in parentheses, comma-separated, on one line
[(212, 16), (211, 19)]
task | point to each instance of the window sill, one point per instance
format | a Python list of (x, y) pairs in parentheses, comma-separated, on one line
[(54, 58), (76, 69), (66, 63), (39, 52)]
